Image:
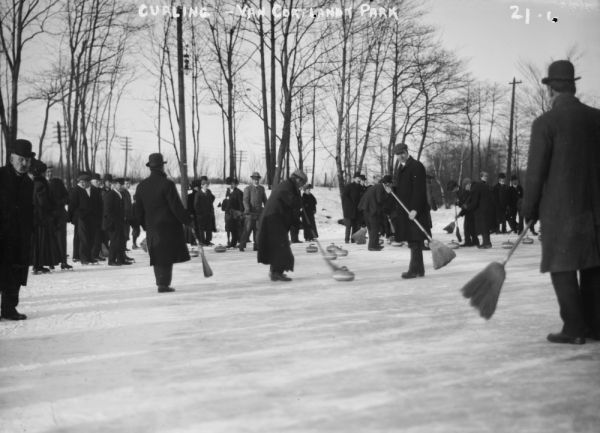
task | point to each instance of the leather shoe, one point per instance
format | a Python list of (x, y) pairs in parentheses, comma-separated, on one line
[(375, 248), (15, 315), (559, 337), (485, 246), (408, 275), (279, 276), (165, 289)]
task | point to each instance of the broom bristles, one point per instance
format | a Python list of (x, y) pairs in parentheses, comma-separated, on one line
[(483, 289), (441, 254), (449, 228)]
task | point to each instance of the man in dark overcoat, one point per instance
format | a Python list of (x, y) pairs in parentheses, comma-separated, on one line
[(464, 200), (514, 205), (97, 191), (205, 212), (309, 209), (113, 223), (501, 198), (282, 207), (83, 213), (411, 188), (16, 227), (562, 189), (162, 215), (481, 203), (372, 204), (60, 198), (233, 206), (351, 196)]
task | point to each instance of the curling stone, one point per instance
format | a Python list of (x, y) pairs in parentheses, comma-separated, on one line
[(341, 252), (312, 248), (453, 245), (343, 274), (331, 248), (220, 249), (527, 240), (330, 255), (507, 245)]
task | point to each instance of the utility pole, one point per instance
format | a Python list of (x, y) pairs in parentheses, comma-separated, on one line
[(126, 147), (241, 157), (514, 82), (182, 142)]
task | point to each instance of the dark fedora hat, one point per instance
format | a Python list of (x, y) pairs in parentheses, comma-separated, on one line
[(255, 175), (23, 148), (300, 175), (561, 70), (155, 160)]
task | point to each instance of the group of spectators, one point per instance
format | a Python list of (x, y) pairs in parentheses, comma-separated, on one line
[(242, 211), (488, 209)]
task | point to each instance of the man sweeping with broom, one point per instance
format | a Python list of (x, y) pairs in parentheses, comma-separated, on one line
[(411, 189), (563, 189)]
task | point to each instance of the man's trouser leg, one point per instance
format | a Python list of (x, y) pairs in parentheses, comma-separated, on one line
[(76, 242), (590, 294), (416, 265), (246, 231), (373, 229), (163, 275), (570, 302), (10, 288), (86, 239)]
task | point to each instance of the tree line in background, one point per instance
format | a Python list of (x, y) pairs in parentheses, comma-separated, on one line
[(342, 85)]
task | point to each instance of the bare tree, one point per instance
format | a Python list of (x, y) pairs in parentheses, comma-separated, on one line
[(21, 21)]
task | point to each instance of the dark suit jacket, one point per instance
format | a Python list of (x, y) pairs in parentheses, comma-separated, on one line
[(351, 196), (84, 207), (562, 184), (113, 216), (60, 198)]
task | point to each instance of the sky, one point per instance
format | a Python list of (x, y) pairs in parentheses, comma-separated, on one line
[(492, 36)]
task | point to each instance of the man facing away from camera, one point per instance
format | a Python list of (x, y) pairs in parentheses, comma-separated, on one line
[(162, 215), (562, 189)]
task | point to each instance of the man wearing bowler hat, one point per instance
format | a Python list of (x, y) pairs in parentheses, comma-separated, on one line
[(254, 198), (562, 189), (162, 216), (16, 227), (411, 188), (85, 209)]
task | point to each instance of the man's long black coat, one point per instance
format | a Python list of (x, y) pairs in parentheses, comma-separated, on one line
[(562, 184), (481, 203), (162, 216), (411, 188), (16, 224), (280, 213)]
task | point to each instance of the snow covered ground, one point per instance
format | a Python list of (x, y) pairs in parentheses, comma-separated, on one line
[(102, 351)]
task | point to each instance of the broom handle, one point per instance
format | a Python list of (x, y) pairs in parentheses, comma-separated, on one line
[(519, 239), (414, 220)]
